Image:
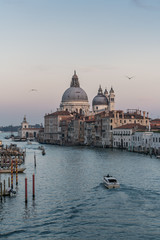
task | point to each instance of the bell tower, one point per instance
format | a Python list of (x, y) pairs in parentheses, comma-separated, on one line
[(24, 124), (111, 100)]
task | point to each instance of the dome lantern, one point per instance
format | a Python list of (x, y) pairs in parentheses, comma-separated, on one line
[(74, 81)]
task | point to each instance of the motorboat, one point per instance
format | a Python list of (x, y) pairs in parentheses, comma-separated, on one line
[(110, 182)]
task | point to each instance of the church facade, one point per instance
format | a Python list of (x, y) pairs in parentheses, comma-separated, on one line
[(75, 99)]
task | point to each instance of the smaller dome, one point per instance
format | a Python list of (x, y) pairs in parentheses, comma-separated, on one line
[(100, 99)]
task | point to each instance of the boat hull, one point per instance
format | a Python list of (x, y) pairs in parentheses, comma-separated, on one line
[(20, 170), (110, 186)]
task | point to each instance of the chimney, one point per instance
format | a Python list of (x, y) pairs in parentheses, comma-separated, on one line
[(144, 114)]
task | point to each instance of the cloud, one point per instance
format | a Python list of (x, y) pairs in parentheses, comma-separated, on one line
[(144, 5)]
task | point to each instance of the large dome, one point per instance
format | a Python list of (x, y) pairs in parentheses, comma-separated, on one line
[(74, 94)]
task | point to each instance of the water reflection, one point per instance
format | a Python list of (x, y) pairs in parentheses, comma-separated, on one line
[(71, 201)]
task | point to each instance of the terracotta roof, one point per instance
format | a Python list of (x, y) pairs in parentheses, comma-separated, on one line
[(58, 113), (155, 120), (100, 114), (132, 126), (38, 129)]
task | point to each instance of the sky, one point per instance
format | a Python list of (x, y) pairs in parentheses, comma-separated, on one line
[(42, 42)]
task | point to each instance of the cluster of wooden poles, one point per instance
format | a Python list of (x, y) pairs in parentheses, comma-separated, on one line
[(3, 190), (7, 192), (10, 153)]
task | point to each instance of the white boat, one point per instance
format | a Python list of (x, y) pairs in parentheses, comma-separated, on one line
[(110, 182)]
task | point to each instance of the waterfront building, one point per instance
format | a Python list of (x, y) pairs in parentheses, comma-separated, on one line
[(52, 128), (89, 130), (27, 132), (142, 141), (155, 142), (122, 135), (155, 124), (117, 118), (76, 130)]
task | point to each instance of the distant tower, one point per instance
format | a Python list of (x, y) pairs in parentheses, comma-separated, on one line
[(24, 124), (106, 93), (111, 100)]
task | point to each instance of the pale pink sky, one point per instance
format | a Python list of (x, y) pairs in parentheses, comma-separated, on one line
[(43, 42)]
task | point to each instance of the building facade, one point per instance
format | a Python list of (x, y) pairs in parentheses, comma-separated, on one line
[(27, 132)]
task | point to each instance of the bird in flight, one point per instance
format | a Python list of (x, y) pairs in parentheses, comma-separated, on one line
[(129, 77), (33, 90)]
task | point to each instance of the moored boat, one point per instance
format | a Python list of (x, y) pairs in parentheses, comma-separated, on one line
[(20, 170)]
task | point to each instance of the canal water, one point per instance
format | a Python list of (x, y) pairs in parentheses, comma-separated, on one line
[(71, 201)]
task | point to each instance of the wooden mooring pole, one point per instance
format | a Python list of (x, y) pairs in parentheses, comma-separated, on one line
[(34, 159), (26, 191), (12, 174), (4, 191), (8, 182), (33, 179), (16, 172), (1, 190)]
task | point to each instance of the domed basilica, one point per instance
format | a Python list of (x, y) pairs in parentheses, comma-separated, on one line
[(75, 99)]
